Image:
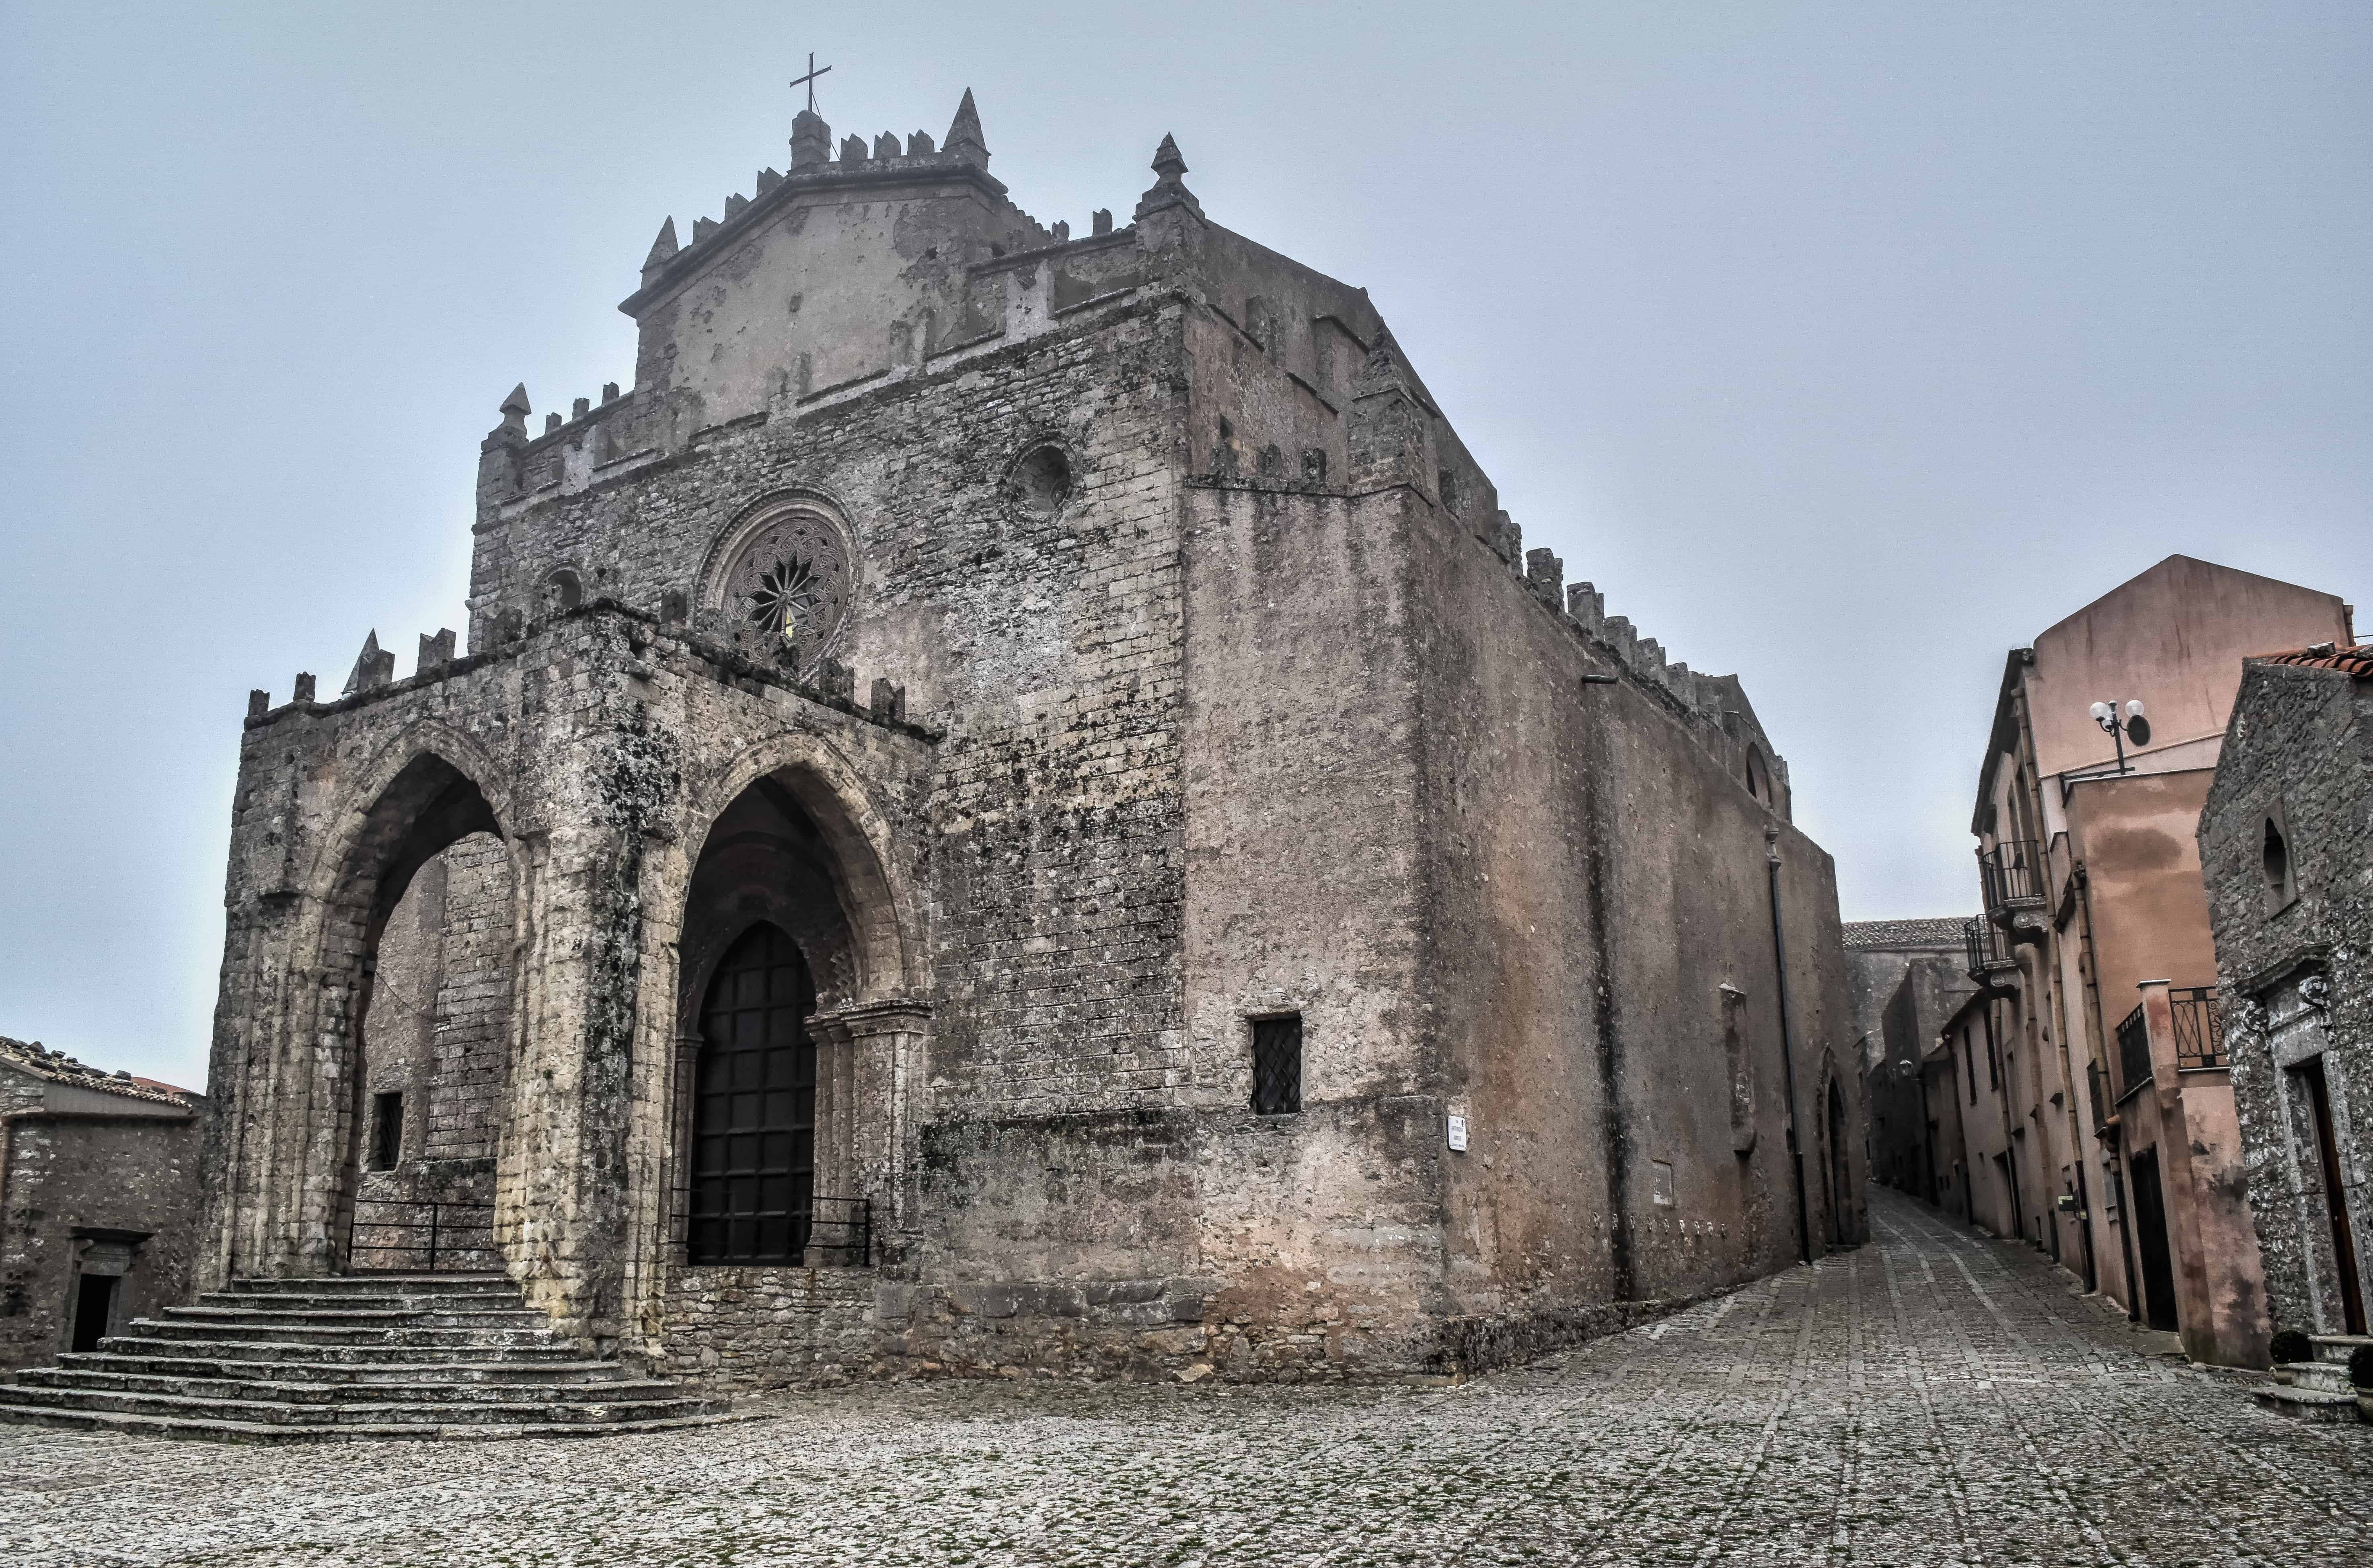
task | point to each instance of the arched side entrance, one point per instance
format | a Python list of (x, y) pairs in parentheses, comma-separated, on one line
[(413, 1111), (436, 1053), (792, 1065)]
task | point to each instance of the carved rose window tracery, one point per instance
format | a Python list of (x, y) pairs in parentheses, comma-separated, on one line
[(788, 586)]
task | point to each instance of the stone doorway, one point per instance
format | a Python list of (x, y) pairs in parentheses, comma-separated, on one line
[(2150, 1240), (2315, 1094), (753, 1167), (791, 1078)]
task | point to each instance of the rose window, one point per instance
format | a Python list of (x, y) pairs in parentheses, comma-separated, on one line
[(788, 587), (785, 601)]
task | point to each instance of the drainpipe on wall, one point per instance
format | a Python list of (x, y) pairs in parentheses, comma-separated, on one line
[(1787, 1042)]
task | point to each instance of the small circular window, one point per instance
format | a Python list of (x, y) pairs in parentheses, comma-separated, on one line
[(1041, 481)]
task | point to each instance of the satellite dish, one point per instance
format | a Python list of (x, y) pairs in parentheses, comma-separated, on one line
[(2138, 730)]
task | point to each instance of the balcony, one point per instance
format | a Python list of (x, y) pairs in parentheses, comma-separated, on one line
[(2134, 1052), (2199, 1019), (2015, 875), (1986, 949)]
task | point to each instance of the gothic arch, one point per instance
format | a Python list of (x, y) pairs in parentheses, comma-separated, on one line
[(371, 784), (877, 898), (407, 806)]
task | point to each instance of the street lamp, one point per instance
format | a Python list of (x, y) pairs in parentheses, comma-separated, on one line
[(2122, 727)]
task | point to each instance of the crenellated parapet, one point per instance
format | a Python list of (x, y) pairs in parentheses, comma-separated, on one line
[(828, 683)]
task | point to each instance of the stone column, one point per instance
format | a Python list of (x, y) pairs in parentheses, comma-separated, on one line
[(675, 1196), (878, 1065), (834, 1109)]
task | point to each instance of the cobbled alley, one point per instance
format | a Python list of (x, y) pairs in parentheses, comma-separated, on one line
[(1934, 1397)]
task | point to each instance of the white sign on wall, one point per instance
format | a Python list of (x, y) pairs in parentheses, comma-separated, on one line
[(1457, 1132)]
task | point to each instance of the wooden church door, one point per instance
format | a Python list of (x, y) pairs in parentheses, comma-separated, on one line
[(754, 1112)]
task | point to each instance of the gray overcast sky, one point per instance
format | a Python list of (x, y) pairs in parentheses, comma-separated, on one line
[(1841, 345)]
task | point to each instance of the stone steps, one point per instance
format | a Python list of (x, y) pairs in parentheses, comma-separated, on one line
[(612, 1390), (219, 1431), (2320, 1376), (2306, 1404), (378, 1351), (382, 1311), (402, 1328), (414, 1356), (442, 1412), (2317, 1389), (503, 1373)]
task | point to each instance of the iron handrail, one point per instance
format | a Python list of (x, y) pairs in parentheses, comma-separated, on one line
[(2014, 872), (446, 1224), (846, 1224), (1985, 949), (2134, 1052), (2199, 1019)]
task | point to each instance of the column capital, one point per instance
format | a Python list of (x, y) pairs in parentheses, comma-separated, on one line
[(862, 1020)]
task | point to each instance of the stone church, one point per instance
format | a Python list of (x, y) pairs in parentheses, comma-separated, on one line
[(1015, 803)]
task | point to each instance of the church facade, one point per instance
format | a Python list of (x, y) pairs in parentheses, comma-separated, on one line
[(1016, 803)]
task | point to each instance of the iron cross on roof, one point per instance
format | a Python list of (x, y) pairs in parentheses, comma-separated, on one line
[(809, 80)]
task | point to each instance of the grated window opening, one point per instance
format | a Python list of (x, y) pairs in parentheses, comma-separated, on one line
[(1277, 1065), (386, 1132)]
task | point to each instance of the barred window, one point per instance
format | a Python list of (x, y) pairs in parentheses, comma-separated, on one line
[(386, 1132), (1277, 1065)]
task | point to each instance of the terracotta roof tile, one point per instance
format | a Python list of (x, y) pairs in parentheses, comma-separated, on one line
[(30, 1057), (1945, 932), (2356, 661)]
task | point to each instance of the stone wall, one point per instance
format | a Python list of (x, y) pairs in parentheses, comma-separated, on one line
[(73, 1162), (2295, 975), (751, 1329)]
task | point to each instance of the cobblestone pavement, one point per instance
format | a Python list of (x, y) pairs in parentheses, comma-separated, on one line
[(1934, 1397)]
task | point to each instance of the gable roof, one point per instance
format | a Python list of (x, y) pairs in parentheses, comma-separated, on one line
[(1940, 932), (36, 1060)]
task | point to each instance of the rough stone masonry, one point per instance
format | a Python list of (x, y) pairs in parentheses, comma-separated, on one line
[(1015, 806)]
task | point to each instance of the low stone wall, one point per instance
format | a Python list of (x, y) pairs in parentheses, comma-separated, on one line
[(751, 1327), (1471, 1345), (1139, 1329)]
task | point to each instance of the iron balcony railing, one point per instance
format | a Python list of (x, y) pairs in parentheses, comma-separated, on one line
[(704, 1230), (392, 1235), (2199, 1019), (2014, 874), (2134, 1052), (1986, 948)]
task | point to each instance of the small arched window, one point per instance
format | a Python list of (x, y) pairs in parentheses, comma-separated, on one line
[(1758, 775), (562, 590), (2274, 858)]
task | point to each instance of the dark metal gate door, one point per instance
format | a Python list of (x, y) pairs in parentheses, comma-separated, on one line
[(2150, 1237), (754, 1117)]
